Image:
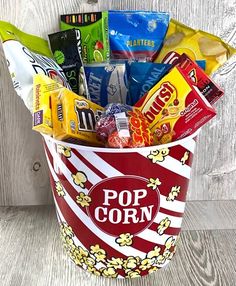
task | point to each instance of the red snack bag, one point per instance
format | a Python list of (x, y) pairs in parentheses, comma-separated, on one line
[(200, 79)]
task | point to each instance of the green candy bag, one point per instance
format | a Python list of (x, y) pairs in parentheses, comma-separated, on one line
[(92, 35)]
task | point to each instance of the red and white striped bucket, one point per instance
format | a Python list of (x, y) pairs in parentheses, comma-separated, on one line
[(120, 210)]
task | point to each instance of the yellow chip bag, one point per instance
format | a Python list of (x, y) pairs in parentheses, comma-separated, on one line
[(74, 117), (209, 50), (42, 113)]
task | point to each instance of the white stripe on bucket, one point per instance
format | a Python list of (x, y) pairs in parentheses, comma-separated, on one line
[(171, 164), (127, 251), (100, 164), (175, 221), (189, 145), (154, 237), (92, 177), (175, 206)]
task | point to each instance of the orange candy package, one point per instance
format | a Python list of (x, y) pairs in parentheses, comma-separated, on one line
[(175, 108)]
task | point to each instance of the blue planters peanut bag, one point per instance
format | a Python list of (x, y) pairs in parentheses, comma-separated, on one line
[(136, 34), (107, 83), (142, 77)]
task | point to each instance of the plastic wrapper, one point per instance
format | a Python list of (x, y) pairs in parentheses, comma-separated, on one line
[(107, 83), (136, 34), (142, 77), (122, 126), (26, 56), (196, 44), (66, 53), (175, 108), (92, 34)]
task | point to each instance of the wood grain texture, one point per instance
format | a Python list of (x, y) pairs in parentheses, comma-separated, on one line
[(214, 172), (31, 254)]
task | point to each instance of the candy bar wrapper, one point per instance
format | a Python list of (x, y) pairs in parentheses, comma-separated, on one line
[(92, 34), (175, 108), (196, 44), (122, 126), (200, 79), (107, 83), (26, 56), (142, 77), (42, 112), (74, 117), (136, 34), (66, 53)]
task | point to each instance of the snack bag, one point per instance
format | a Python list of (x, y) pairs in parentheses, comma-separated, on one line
[(200, 79), (66, 54), (74, 117), (26, 56), (107, 83), (175, 108), (42, 112), (136, 34), (122, 126), (92, 34), (196, 44), (142, 77)]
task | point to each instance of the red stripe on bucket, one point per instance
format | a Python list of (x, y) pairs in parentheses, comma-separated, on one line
[(74, 169), (140, 166), (169, 212), (169, 231), (178, 152), (88, 164), (144, 245)]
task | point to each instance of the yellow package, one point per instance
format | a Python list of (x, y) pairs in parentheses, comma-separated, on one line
[(74, 117), (42, 113), (210, 50)]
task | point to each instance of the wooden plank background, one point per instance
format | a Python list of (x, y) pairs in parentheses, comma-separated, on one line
[(23, 170)]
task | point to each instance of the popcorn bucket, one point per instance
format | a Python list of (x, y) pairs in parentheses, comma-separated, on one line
[(120, 210)]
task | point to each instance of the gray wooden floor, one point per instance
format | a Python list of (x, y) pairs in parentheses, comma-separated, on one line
[(31, 252)]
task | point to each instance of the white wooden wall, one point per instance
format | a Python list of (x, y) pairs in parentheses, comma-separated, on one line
[(23, 171)]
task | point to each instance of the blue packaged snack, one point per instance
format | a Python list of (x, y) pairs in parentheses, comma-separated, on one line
[(136, 34), (107, 83), (142, 77)]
